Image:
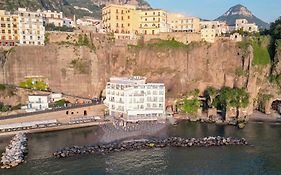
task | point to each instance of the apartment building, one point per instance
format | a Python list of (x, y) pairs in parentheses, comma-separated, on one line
[(55, 18), (246, 26), (31, 29), (180, 23), (208, 35), (9, 29), (120, 19), (132, 99), (153, 21), (219, 27)]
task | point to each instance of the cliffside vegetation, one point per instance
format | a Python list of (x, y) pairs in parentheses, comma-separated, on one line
[(165, 44), (83, 40), (190, 104), (36, 85), (261, 50), (64, 28)]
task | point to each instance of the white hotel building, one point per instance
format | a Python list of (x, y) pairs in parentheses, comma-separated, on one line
[(132, 99)]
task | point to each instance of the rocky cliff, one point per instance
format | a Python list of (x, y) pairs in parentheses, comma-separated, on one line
[(181, 69), (82, 71)]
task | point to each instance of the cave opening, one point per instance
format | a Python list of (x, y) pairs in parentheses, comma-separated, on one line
[(276, 106)]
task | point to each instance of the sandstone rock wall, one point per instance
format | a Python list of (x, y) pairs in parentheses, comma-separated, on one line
[(180, 69)]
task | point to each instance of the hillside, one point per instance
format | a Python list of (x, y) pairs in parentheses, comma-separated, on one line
[(241, 12), (79, 8)]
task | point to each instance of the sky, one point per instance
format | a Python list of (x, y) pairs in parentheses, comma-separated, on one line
[(266, 10)]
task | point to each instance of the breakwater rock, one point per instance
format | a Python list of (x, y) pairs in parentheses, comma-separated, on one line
[(148, 144), (15, 151)]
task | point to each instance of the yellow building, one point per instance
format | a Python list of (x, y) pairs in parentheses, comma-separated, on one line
[(208, 35), (153, 21), (120, 19), (9, 29), (180, 23)]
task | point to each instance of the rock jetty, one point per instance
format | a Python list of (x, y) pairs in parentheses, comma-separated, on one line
[(148, 144), (15, 151)]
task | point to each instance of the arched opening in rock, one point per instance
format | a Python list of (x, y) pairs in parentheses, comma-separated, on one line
[(85, 112)]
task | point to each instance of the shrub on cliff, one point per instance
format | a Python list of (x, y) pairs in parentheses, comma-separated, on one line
[(37, 85)]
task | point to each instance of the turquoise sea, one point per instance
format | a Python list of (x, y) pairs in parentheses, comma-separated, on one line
[(263, 157)]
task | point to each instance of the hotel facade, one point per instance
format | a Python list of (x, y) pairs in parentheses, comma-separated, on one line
[(9, 33), (31, 29), (120, 19), (180, 23), (132, 99), (127, 20)]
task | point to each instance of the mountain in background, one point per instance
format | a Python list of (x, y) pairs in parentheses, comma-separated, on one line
[(241, 12), (79, 8)]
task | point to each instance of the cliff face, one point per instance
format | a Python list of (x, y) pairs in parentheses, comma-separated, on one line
[(83, 72)]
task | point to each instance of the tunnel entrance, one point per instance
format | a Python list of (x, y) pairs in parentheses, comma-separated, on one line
[(276, 106)]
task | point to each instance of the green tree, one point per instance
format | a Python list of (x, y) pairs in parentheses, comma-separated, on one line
[(191, 106), (210, 95), (237, 98)]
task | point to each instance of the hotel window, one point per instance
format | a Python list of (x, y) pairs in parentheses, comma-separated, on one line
[(128, 17), (122, 18), (9, 32), (3, 37), (153, 19), (2, 19), (117, 17), (128, 24), (145, 13), (158, 13), (153, 13), (14, 25), (117, 25), (117, 11), (3, 25), (10, 37), (8, 19), (3, 31), (122, 12), (145, 19)]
